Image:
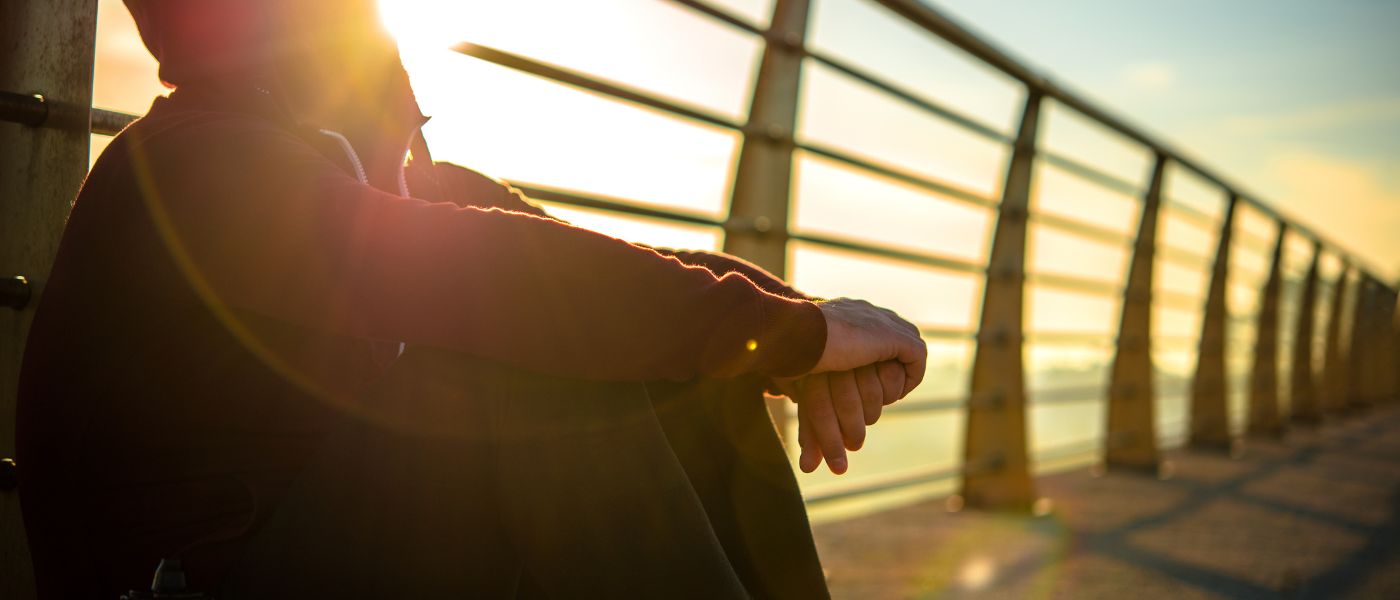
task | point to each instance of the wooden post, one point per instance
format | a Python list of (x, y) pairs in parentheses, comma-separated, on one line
[(996, 470), (1210, 414), (758, 210), (1306, 406), (1334, 378), (48, 50), (1132, 432), (1264, 420)]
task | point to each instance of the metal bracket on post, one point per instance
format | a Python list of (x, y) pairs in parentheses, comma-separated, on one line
[(1306, 407), (1132, 431), (996, 432), (1334, 378), (14, 292), (763, 179), (1210, 414), (1264, 418)]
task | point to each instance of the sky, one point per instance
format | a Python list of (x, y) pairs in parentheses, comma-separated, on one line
[(1297, 101)]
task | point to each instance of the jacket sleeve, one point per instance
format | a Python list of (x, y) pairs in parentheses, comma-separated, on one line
[(260, 221), (465, 187)]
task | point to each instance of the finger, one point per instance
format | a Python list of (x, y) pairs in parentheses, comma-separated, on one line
[(786, 386), (850, 415), (914, 355), (826, 430), (872, 392), (902, 322), (811, 455), (892, 378)]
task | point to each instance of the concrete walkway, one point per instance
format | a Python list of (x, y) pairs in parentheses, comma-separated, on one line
[(1314, 516)]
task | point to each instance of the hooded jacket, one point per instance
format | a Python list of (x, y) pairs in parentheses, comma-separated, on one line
[(228, 284)]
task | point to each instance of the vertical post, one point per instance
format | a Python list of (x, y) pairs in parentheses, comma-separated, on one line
[(1264, 420), (996, 471), (1390, 353), (1334, 378), (758, 210), (1307, 407), (1132, 431), (48, 50), (1379, 365), (1210, 415), (1362, 347)]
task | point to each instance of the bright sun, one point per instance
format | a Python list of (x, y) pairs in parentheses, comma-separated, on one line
[(431, 24)]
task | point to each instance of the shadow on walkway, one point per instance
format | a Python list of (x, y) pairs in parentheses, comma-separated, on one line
[(1313, 516)]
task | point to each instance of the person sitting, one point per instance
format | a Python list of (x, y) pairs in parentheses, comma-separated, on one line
[(275, 349)]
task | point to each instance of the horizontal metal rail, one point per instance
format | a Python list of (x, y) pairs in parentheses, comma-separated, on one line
[(898, 174), (947, 333), (1068, 395), (908, 407), (1178, 301), (885, 484), (1069, 450), (25, 109), (1071, 283), (1182, 256), (1070, 338), (33, 110), (1253, 241), (1191, 215), (617, 205), (592, 84), (911, 98), (909, 256), (721, 15), (110, 122), (1092, 174), (934, 475), (1081, 228)]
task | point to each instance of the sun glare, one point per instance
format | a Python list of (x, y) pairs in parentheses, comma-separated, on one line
[(429, 24)]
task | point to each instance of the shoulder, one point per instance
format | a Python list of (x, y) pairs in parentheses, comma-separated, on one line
[(468, 188)]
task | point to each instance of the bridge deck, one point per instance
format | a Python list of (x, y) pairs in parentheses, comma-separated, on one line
[(1317, 515)]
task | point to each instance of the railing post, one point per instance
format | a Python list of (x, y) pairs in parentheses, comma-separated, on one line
[(996, 471), (1131, 440), (758, 210), (1306, 406), (1390, 353), (1264, 420), (48, 50), (1334, 378), (1210, 415), (1362, 353)]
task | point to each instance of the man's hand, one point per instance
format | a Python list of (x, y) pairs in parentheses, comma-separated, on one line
[(833, 410), (859, 334)]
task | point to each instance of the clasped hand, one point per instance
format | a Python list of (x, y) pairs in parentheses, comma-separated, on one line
[(872, 358)]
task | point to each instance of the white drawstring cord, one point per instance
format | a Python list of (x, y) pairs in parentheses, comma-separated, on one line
[(360, 175)]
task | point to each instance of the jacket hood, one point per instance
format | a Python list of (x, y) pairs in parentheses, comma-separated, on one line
[(206, 39), (329, 58)]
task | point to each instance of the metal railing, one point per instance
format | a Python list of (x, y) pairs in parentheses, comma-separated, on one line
[(996, 467)]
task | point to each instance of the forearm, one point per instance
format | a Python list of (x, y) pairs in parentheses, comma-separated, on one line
[(305, 243), (465, 187), (722, 264)]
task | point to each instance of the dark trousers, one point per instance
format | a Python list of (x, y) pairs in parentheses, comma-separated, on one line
[(463, 479)]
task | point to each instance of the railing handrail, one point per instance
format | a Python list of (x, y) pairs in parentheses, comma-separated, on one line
[(947, 28)]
